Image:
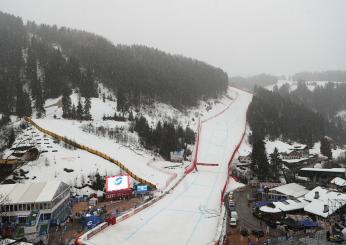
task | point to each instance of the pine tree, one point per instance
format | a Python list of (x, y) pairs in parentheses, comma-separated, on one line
[(66, 103), (87, 107), (20, 103), (79, 111), (260, 164), (39, 102), (131, 118), (326, 149), (27, 104), (121, 101), (275, 162), (73, 112), (88, 87), (11, 138)]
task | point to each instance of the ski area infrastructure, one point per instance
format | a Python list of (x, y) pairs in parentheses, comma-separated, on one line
[(189, 213)]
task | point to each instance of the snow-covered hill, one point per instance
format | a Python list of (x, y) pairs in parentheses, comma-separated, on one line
[(75, 166)]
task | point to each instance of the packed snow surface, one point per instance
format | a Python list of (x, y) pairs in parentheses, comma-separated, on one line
[(189, 214)]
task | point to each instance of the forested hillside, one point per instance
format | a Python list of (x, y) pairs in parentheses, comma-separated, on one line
[(250, 82), (332, 76), (327, 100), (38, 62), (271, 114)]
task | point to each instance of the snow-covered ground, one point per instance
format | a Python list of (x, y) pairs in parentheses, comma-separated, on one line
[(131, 154), (189, 214), (246, 148), (58, 159), (136, 161)]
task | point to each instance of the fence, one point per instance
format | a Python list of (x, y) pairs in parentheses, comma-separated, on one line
[(90, 150)]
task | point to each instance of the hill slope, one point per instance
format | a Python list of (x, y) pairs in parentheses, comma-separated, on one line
[(41, 62)]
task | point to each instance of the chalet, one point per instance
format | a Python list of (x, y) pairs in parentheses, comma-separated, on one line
[(245, 159), (297, 152)]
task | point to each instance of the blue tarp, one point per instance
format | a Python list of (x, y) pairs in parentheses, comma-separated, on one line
[(92, 221), (263, 203), (308, 223)]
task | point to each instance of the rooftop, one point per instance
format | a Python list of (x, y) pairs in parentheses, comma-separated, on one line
[(338, 181), (32, 192), (285, 206), (332, 199), (333, 170), (291, 189)]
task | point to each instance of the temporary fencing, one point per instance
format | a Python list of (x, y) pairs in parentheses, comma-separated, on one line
[(90, 150), (83, 239), (193, 164)]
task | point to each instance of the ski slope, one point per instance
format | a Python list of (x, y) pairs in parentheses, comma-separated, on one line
[(137, 162), (189, 214)]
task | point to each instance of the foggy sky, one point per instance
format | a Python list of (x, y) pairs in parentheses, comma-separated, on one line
[(242, 37)]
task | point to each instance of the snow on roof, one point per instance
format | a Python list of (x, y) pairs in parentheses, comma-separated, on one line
[(285, 206), (292, 189), (332, 199), (267, 209), (338, 181), (32, 192), (295, 160), (298, 147), (8, 241), (338, 170)]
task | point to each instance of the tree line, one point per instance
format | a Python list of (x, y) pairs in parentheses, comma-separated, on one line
[(164, 138), (38, 62)]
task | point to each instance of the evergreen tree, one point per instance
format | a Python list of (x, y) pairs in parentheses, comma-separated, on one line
[(131, 118), (87, 107), (79, 111), (73, 112), (39, 101), (326, 149), (276, 163), (11, 138), (260, 164), (27, 104), (66, 103), (121, 101), (20, 103)]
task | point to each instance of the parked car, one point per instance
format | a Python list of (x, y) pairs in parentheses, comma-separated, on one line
[(244, 232), (234, 214), (231, 208), (257, 232), (336, 238), (233, 222)]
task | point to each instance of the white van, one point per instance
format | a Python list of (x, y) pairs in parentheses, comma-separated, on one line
[(233, 222), (234, 214)]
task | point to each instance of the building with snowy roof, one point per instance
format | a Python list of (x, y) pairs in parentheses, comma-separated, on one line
[(292, 190), (340, 182), (51, 199), (322, 175), (324, 202)]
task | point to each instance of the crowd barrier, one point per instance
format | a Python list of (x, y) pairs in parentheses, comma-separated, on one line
[(92, 151), (83, 239), (9, 161)]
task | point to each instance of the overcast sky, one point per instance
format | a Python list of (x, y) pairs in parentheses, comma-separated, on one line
[(242, 37)]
